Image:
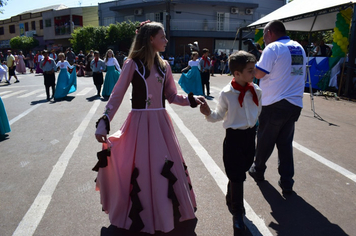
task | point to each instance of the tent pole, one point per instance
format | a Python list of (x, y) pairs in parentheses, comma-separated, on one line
[(308, 72), (351, 63)]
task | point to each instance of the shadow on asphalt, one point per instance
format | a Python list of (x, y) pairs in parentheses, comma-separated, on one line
[(294, 216), (4, 137), (185, 228), (39, 101), (93, 98)]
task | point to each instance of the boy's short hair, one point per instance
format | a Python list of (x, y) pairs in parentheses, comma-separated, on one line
[(205, 50), (239, 60)]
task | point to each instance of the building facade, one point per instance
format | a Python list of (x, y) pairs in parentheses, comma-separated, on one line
[(51, 26), (214, 24)]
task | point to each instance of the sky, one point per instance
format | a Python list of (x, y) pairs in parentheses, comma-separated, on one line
[(15, 7)]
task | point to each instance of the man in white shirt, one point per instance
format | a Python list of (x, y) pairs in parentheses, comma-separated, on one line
[(281, 70)]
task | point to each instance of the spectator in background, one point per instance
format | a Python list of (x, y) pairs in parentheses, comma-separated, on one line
[(70, 56), (53, 55), (30, 60)]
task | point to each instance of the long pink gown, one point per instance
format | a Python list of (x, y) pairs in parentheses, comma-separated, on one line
[(134, 191), (20, 67)]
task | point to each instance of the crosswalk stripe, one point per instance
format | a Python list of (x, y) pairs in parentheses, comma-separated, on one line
[(13, 94), (42, 95), (84, 91), (5, 92), (30, 93)]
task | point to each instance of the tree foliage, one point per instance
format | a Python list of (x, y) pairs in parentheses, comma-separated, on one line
[(316, 36), (117, 36), (23, 43)]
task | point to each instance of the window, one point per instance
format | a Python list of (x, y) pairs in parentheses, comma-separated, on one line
[(1, 30), (222, 21), (129, 18), (33, 25), (41, 24), (26, 26), (48, 23), (12, 29), (159, 17), (109, 20)]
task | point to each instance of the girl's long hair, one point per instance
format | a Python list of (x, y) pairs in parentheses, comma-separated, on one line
[(106, 54), (141, 46)]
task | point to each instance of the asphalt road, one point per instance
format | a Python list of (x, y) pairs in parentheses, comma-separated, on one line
[(47, 186)]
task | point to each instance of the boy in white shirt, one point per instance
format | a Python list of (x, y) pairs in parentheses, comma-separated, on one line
[(3, 71), (239, 107)]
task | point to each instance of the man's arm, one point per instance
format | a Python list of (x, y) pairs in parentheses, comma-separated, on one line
[(259, 73)]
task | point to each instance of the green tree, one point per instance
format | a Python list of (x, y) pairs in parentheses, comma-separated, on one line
[(116, 36), (23, 43), (2, 3)]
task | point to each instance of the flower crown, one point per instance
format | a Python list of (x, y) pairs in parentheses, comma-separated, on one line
[(141, 24)]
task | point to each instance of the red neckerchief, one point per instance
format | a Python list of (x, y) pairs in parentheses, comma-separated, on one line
[(45, 60), (205, 59), (96, 62), (243, 90)]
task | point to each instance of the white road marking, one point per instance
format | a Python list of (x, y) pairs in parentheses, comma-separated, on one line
[(325, 161), (42, 95), (31, 220), (84, 91), (219, 176), (5, 92), (13, 94), (30, 93), (24, 114)]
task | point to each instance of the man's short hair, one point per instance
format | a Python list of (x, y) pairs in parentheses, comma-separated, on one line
[(277, 27), (96, 52), (239, 60)]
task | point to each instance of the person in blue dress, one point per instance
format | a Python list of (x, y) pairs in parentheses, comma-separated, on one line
[(4, 122), (66, 82), (113, 71), (190, 82)]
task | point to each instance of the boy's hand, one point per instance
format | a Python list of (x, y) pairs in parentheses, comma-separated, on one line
[(205, 109), (200, 100)]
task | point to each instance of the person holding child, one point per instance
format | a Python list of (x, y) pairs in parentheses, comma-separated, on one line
[(190, 82), (145, 186), (239, 106), (112, 74), (282, 72), (66, 82)]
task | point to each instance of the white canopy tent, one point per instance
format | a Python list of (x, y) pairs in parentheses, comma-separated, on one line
[(317, 15), (299, 15)]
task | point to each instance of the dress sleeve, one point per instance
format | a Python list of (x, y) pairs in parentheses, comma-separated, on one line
[(68, 65), (117, 64), (120, 89), (171, 90)]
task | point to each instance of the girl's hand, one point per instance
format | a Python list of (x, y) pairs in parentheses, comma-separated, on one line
[(200, 100), (205, 109), (101, 138)]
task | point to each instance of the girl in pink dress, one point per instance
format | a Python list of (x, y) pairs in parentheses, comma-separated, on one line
[(143, 180)]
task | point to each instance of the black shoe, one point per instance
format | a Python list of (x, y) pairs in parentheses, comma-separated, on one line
[(238, 224), (285, 190), (8, 82), (17, 81), (257, 177)]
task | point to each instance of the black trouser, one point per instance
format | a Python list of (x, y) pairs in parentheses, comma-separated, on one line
[(276, 127), (49, 81), (238, 155), (98, 80), (205, 80)]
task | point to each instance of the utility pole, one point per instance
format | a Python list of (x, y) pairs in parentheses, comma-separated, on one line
[(168, 25)]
